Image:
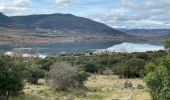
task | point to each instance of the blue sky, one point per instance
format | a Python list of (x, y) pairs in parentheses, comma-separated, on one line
[(115, 13)]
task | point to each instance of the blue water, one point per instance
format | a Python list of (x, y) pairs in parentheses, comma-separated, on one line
[(54, 49), (79, 47)]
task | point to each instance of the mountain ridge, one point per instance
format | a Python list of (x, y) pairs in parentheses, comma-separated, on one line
[(63, 22), (55, 28)]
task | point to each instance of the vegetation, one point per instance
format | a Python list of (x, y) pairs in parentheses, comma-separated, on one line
[(99, 87), (112, 74), (32, 75), (63, 76), (158, 77), (11, 81), (167, 44)]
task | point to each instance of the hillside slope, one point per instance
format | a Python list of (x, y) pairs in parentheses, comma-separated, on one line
[(54, 28), (59, 22)]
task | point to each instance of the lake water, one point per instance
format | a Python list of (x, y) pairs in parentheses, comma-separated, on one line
[(134, 47), (89, 46)]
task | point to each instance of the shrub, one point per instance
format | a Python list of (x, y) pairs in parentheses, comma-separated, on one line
[(143, 56), (91, 68), (139, 86), (32, 75), (128, 84), (11, 81), (46, 63), (158, 80), (167, 44), (133, 68), (62, 76), (108, 72), (80, 77)]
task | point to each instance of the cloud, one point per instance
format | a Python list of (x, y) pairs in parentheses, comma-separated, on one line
[(63, 2), (146, 4), (138, 14), (16, 7), (115, 13)]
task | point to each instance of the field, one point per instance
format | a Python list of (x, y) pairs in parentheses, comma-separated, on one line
[(99, 87)]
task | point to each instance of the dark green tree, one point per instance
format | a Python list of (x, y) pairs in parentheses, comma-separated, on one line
[(11, 81)]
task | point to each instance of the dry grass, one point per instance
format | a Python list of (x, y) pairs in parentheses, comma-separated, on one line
[(111, 87), (99, 88)]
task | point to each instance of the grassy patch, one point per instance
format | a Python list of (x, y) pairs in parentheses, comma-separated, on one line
[(99, 87)]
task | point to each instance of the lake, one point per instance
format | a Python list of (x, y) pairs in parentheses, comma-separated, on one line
[(88, 46), (134, 47)]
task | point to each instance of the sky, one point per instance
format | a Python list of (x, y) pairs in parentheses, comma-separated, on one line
[(150, 14)]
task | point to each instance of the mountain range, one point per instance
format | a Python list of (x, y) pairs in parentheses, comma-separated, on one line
[(62, 22), (61, 28), (54, 28), (147, 32)]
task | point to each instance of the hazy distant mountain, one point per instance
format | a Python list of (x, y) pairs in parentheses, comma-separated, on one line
[(61, 22), (147, 32), (4, 20)]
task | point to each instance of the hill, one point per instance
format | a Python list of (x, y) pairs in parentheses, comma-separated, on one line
[(54, 28), (62, 22), (4, 20)]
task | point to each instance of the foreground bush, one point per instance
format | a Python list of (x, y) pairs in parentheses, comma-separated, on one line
[(63, 76), (158, 79), (158, 76), (11, 81)]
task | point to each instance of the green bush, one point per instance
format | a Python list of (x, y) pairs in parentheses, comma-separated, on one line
[(91, 68), (11, 80), (158, 80), (133, 68), (143, 56), (46, 63), (32, 75)]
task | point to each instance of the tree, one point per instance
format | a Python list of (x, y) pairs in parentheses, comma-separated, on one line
[(11, 81)]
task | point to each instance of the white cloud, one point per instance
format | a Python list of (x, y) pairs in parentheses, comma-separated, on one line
[(139, 14), (63, 2), (131, 14), (16, 7)]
